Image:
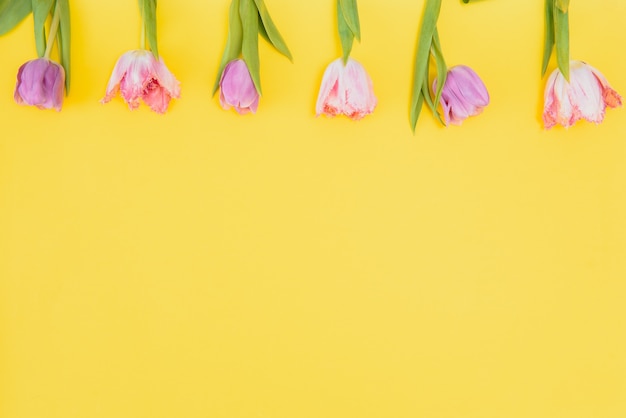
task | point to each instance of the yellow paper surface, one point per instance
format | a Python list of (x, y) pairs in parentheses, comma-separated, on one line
[(202, 264)]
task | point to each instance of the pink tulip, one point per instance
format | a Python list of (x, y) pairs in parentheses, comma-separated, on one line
[(464, 94), (346, 89), (586, 96), (40, 83), (237, 88), (139, 75)]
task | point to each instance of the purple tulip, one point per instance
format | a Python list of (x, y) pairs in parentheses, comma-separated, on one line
[(237, 88), (586, 96), (464, 94), (41, 83)]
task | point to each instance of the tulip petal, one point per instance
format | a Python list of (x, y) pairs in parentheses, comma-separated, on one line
[(40, 83), (137, 76), (329, 99), (237, 88), (585, 96), (346, 89), (359, 92), (464, 94)]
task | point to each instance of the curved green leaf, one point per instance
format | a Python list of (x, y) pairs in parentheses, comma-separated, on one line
[(41, 11), (442, 69), (250, 45), (270, 29), (351, 15), (234, 42), (148, 16), (64, 38), (420, 70), (548, 41), (561, 30), (345, 33), (12, 12)]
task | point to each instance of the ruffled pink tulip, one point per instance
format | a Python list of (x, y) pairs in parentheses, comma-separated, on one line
[(139, 75), (346, 89), (586, 96), (40, 83), (237, 88), (464, 94)]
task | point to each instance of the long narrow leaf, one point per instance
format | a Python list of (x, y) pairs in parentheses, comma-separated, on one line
[(429, 101), (250, 44), (64, 38), (148, 15), (420, 70), (12, 12), (561, 29), (351, 15), (563, 5), (274, 36), (442, 69), (548, 42), (233, 45), (345, 34), (41, 11)]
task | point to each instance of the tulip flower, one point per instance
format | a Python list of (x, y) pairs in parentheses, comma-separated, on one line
[(40, 82), (237, 88), (463, 95), (586, 96), (346, 89), (139, 75)]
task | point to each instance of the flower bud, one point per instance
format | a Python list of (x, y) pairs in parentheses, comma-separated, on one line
[(237, 88), (346, 89), (586, 96), (464, 94), (41, 83), (139, 75)]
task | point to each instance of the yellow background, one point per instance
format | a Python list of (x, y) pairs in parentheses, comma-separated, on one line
[(202, 264)]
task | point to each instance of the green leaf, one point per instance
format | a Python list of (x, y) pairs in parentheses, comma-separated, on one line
[(351, 15), (420, 70), (234, 43), (268, 26), (250, 45), (562, 5), (12, 12), (64, 38), (442, 69), (561, 30), (548, 42), (41, 11), (429, 101), (148, 16), (345, 33)]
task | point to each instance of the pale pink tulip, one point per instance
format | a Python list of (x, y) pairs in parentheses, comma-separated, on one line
[(237, 88), (464, 94), (586, 96), (139, 75), (40, 83), (346, 89)]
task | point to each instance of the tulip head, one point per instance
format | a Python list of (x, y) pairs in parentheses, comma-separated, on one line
[(139, 75), (346, 89), (237, 88), (464, 94), (585, 96), (40, 83)]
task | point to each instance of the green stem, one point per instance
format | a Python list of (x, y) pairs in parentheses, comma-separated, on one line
[(54, 27)]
